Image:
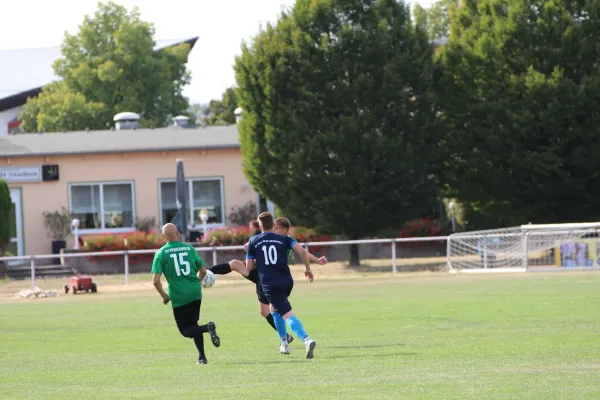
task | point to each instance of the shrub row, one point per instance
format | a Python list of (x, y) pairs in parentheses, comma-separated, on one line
[(426, 227)]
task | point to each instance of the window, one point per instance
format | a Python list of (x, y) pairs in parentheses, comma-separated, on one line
[(103, 206), (205, 193)]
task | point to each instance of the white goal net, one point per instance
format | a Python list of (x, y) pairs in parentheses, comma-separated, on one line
[(517, 249)]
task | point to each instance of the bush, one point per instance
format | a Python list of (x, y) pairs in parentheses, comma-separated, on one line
[(145, 224), (424, 227), (6, 216), (123, 241), (241, 215), (239, 236)]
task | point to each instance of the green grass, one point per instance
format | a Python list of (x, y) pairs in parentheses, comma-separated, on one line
[(529, 336)]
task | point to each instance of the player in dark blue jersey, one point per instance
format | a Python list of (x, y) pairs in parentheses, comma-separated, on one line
[(281, 227), (268, 253)]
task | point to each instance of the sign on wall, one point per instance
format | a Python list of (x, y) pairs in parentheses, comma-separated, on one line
[(49, 173), (36, 173)]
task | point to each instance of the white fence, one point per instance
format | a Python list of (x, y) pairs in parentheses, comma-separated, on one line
[(214, 250)]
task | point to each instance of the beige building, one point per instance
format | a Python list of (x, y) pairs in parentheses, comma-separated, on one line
[(107, 179)]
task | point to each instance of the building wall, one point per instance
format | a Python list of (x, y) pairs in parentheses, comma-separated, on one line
[(7, 116), (145, 169)]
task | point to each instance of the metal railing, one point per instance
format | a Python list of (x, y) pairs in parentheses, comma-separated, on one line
[(307, 245)]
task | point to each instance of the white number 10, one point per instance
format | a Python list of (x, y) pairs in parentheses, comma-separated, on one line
[(270, 255), (179, 261)]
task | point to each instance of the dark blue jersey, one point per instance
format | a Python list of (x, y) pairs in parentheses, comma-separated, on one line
[(269, 252)]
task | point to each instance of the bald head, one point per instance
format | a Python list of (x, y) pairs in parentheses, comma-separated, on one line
[(170, 233)]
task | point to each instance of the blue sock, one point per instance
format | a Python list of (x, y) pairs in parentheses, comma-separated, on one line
[(279, 325), (296, 327)]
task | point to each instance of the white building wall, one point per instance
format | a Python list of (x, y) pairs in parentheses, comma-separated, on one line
[(6, 116)]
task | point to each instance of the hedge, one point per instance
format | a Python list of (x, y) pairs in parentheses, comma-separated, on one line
[(216, 237), (123, 241)]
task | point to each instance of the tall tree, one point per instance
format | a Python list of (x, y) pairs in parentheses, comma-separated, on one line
[(222, 112), (199, 111), (108, 67), (338, 125), (520, 100), (436, 19)]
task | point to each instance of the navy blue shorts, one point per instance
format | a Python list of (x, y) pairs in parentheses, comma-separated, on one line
[(253, 277), (277, 294)]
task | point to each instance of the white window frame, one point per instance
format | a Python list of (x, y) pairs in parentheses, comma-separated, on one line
[(190, 184), (101, 184)]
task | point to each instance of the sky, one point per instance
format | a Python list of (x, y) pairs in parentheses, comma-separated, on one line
[(222, 26)]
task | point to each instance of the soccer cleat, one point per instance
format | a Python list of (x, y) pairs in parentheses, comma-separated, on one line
[(284, 348), (310, 348), (290, 338), (202, 361), (212, 329)]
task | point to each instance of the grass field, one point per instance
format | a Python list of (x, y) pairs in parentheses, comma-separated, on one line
[(414, 336)]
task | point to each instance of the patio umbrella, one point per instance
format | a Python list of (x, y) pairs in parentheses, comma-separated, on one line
[(181, 189)]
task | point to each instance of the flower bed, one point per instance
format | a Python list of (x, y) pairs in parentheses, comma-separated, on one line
[(239, 236), (123, 241), (425, 227)]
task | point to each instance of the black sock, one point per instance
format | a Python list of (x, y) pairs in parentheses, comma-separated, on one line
[(199, 341), (195, 331), (269, 319), (221, 269)]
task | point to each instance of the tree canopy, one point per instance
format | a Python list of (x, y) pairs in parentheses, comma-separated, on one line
[(520, 101), (339, 127), (436, 19), (222, 112), (108, 67)]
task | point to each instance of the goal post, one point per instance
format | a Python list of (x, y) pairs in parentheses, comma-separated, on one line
[(526, 247)]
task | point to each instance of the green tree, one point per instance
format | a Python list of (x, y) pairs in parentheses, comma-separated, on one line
[(222, 112), (108, 67), (436, 19), (6, 217), (520, 100), (338, 127), (199, 111), (60, 109)]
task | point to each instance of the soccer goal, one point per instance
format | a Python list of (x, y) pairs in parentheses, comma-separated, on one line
[(526, 248)]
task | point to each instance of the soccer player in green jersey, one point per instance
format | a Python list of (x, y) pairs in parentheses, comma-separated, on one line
[(184, 270)]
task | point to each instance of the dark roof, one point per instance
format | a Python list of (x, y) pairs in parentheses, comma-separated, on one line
[(119, 141), (24, 72)]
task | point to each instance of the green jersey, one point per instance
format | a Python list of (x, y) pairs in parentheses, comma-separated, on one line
[(180, 263)]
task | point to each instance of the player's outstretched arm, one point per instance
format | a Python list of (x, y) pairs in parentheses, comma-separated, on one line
[(301, 251), (321, 261)]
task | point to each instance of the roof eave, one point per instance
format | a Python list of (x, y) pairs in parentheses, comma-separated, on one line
[(100, 152)]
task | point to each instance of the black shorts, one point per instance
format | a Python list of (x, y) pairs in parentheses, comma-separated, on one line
[(187, 315), (253, 277), (277, 294)]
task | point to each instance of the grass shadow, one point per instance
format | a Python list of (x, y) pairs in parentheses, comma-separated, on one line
[(365, 268), (334, 357), (265, 362), (367, 346)]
